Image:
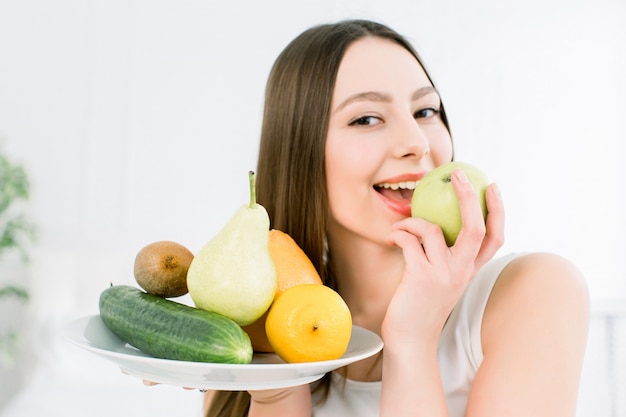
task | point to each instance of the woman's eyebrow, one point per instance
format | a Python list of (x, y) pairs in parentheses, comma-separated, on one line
[(377, 96), (364, 96), (424, 91)]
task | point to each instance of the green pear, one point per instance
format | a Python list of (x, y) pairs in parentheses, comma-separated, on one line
[(233, 274)]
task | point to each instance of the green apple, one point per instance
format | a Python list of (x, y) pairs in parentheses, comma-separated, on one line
[(435, 200)]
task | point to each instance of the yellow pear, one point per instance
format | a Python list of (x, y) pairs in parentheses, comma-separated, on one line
[(233, 274)]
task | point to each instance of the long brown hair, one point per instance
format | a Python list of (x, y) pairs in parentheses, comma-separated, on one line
[(290, 175)]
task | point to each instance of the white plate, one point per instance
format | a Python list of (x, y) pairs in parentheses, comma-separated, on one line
[(266, 371)]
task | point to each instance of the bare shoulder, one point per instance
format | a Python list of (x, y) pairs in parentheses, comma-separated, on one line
[(538, 289), (533, 335)]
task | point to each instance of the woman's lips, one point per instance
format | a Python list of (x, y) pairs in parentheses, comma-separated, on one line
[(397, 192), (402, 207)]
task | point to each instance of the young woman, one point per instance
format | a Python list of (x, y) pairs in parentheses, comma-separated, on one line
[(352, 122)]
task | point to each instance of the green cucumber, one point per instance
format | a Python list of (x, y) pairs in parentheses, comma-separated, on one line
[(169, 330)]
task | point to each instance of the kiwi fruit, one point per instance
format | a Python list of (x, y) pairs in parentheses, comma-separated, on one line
[(161, 268)]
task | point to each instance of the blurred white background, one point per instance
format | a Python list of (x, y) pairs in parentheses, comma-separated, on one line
[(138, 120)]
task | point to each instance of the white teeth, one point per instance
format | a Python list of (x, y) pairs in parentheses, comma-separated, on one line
[(406, 185)]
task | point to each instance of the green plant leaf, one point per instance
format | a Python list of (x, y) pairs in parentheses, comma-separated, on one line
[(14, 184), (14, 291), (16, 231)]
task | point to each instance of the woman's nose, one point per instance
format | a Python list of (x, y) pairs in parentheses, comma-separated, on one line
[(411, 142)]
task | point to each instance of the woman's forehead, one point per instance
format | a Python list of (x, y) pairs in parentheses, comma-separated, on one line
[(378, 65)]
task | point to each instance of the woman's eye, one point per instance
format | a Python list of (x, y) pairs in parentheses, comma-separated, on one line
[(426, 113), (365, 121)]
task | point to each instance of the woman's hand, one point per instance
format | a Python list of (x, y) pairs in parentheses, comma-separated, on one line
[(152, 384), (433, 281), (435, 276), (288, 402)]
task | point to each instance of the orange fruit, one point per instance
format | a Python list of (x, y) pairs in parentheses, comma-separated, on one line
[(309, 323), (293, 267), (258, 338)]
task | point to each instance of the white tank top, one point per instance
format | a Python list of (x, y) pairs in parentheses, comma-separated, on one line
[(460, 353)]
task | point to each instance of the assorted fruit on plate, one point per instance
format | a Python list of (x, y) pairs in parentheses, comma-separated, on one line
[(261, 317), (265, 371)]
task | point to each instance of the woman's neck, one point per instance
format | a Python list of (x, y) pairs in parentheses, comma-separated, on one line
[(367, 274)]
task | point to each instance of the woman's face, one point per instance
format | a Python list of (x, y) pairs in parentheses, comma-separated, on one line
[(384, 135)]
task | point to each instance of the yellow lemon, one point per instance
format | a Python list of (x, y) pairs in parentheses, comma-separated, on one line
[(309, 323)]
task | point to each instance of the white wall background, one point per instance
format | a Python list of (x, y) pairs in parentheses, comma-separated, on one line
[(139, 119)]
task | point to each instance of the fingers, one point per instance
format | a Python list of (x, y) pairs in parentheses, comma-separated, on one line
[(152, 384), (420, 240), (494, 237), (470, 238), (478, 240)]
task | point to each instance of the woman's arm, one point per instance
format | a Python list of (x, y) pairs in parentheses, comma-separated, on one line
[(433, 281), (534, 336), (287, 402), (208, 397)]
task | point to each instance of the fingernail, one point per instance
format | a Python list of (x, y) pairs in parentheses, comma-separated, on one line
[(460, 174), (496, 190)]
